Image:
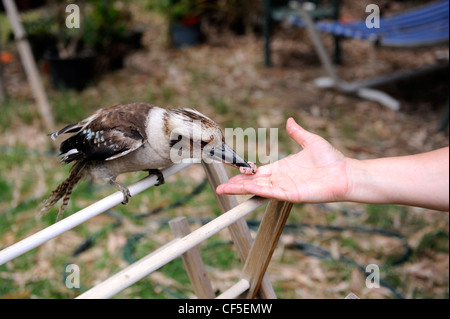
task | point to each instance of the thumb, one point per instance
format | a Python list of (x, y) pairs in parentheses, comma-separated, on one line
[(298, 133)]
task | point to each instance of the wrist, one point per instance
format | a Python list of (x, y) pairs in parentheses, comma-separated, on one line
[(352, 168), (363, 182), (371, 182)]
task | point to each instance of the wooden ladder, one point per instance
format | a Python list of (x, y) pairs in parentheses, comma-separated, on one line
[(254, 254)]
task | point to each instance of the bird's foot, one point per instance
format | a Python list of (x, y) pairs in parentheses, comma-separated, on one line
[(125, 191), (126, 195), (159, 176)]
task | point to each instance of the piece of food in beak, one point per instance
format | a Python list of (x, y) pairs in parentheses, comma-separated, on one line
[(249, 170), (227, 155)]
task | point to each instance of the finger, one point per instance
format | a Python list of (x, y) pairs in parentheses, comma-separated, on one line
[(263, 191), (220, 190), (251, 189), (240, 178), (240, 184), (236, 189), (242, 189), (298, 133)]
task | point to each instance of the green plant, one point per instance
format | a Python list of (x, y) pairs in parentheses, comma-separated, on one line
[(40, 25), (105, 25)]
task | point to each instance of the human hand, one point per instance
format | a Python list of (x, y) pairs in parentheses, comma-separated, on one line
[(316, 174)]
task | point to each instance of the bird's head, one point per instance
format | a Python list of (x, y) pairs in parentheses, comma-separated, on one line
[(194, 135)]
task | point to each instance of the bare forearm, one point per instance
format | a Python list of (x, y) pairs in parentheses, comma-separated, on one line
[(320, 174), (418, 180)]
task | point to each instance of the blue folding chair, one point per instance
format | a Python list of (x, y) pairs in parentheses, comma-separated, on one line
[(423, 26)]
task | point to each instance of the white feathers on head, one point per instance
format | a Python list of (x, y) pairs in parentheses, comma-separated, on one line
[(193, 124)]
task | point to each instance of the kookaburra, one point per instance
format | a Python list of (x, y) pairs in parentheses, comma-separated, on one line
[(136, 137)]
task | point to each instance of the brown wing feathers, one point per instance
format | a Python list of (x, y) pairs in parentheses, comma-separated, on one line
[(110, 133)]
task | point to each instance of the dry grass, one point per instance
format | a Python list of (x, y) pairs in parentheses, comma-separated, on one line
[(227, 81)]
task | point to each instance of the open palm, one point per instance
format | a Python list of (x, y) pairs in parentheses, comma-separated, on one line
[(316, 174)]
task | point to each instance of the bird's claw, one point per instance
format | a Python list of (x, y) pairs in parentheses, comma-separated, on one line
[(126, 196), (159, 176), (125, 191)]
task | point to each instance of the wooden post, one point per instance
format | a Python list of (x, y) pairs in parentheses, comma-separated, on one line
[(266, 32), (317, 42), (265, 243), (217, 175), (239, 231), (193, 261), (29, 65)]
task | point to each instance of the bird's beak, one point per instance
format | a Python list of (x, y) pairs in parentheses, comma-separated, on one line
[(227, 155)]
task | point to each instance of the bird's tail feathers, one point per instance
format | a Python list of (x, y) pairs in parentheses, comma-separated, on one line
[(64, 190)]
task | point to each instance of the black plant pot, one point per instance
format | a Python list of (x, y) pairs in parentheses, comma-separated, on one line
[(133, 39), (183, 35), (40, 43), (73, 72)]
